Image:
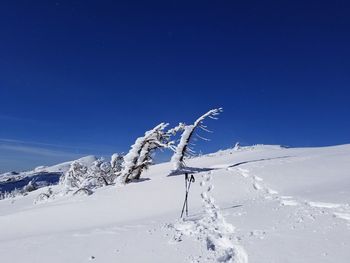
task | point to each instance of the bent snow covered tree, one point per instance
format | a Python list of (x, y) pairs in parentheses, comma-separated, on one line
[(183, 149), (139, 156)]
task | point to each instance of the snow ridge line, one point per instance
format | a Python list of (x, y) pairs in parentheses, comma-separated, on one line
[(212, 229)]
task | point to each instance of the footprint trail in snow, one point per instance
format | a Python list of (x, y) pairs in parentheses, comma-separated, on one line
[(212, 229), (339, 211)]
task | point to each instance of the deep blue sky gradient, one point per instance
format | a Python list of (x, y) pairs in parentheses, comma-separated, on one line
[(88, 77)]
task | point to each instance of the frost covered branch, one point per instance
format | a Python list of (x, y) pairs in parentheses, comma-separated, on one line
[(188, 131)]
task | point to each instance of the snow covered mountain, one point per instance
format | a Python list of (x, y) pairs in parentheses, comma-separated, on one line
[(41, 176), (253, 204)]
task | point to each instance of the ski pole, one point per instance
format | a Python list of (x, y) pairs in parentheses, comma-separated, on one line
[(186, 194)]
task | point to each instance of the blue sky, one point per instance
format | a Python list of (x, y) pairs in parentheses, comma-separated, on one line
[(88, 77)]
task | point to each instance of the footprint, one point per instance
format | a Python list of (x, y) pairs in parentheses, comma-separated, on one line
[(257, 186), (257, 178), (342, 216), (210, 187), (324, 205), (272, 192), (289, 203), (286, 197), (244, 172)]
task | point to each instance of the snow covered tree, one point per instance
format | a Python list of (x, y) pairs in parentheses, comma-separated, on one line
[(81, 178), (237, 146), (139, 157), (117, 162), (183, 148), (31, 186), (100, 174), (75, 179)]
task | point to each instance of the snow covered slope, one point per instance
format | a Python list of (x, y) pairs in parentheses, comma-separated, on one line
[(257, 204)]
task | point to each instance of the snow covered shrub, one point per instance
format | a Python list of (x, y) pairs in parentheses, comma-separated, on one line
[(75, 179), (7, 195), (82, 179), (139, 157), (49, 194), (31, 186), (183, 149), (237, 146), (100, 174)]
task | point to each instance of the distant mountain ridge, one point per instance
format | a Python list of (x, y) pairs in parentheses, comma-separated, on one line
[(41, 176)]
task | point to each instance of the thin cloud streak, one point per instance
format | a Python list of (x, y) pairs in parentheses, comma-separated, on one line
[(10, 144), (38, 151), (14, 119), (15, 141), (60, 147)]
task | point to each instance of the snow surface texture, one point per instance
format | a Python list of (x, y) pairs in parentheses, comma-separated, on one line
[(256, 204)]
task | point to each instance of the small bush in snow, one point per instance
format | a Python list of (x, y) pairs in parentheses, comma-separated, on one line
[(237, 146), (75, 178), (100, 174), (31, 186), (43, 197), (7, 195), (82, 179)]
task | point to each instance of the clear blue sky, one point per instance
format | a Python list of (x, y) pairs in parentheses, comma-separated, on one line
[(88, 77)]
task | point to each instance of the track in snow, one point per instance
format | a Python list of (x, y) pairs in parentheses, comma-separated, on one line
[(212, 229), (339, 211), (219, 237)]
